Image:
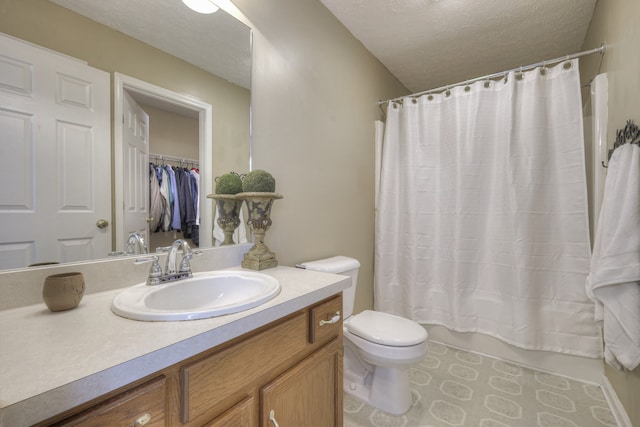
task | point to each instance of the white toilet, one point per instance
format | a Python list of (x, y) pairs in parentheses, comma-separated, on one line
[(379, 348)]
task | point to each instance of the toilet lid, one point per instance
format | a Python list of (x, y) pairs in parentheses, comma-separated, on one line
[(386, 329)]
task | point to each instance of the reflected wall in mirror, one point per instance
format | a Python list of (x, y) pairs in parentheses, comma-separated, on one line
[(53, 25)]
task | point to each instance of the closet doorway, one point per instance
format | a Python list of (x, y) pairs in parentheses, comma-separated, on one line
[(133, 154)]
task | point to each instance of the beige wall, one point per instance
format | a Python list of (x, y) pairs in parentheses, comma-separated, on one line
[(315, 89), (46, 24), (616, 23), (172, 134)]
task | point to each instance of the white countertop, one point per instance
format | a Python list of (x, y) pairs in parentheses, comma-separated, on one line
[(51, 362)]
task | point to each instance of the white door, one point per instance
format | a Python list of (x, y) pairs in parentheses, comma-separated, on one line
[(135, 136), (55, 169)]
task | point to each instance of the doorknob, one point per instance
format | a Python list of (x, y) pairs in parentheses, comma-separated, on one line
[(102, 223), (150, 219)]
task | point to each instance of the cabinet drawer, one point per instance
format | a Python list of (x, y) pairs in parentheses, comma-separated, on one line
[(215, 383), (144, 404), (325, 319)]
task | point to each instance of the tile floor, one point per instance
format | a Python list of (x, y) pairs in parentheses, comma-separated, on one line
[(452, 387)]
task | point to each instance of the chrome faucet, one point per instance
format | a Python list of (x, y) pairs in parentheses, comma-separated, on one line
[(171, 272), (136, 241)]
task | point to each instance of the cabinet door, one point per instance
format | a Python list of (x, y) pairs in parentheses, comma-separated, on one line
[(242, 414), (309, 394)]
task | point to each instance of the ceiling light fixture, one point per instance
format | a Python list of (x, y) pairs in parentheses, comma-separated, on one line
[(201, 6)]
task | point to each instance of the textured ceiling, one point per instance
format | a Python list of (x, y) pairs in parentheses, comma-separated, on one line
[(432, 43), (217, 43), (424, 43)]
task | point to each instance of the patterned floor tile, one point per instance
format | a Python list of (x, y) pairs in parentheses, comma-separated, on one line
[(455, 388)]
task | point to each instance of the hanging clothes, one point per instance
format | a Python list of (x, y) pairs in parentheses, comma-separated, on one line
[(187, 211), (175, 202), (155, 199), (166, 203), (195, 196)]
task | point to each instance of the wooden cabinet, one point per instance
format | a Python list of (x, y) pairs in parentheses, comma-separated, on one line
[(292, 367), (217, 381)]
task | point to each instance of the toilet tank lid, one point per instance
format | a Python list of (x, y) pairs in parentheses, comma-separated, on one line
[(337, 264)]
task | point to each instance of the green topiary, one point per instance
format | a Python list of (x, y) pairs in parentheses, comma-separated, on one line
[(258, 181), (229, 183)]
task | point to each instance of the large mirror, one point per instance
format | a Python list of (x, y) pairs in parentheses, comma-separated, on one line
[(189, 72)]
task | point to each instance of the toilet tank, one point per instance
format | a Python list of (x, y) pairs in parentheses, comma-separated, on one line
[(339, 265)]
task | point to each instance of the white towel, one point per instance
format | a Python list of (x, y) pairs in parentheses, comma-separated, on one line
[(615, 263), (239, 236)]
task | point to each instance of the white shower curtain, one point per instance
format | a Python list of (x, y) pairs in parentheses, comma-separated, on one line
[(482, 217)]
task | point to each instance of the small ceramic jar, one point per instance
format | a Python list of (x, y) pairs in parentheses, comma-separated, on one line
[(63, 291)]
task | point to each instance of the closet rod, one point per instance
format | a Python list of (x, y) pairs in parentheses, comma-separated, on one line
[(601, 50), (172, 158)]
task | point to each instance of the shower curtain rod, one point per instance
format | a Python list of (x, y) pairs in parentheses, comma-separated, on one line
[(601, 50)]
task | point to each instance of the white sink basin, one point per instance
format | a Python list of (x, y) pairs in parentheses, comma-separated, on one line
[(204, 295)]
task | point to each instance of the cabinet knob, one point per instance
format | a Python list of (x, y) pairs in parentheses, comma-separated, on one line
[(334, 319), (143, 420), (272, 418)]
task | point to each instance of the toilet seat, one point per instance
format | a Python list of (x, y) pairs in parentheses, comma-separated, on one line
[(386, 329), (385, 355)]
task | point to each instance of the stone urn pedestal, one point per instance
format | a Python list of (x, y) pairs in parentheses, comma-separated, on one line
[(259, 205), (229, 206)]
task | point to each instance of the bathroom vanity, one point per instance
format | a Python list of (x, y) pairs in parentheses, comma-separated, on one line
[(281, 361)]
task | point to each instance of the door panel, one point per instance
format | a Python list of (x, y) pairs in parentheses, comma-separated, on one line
[(17, 149), (135, 131), (55, 170)]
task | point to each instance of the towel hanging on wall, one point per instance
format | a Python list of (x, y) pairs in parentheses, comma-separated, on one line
[(613, 281), (629, 135)]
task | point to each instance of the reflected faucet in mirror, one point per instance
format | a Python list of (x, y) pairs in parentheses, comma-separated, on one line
[(136, 245), (185, 267)]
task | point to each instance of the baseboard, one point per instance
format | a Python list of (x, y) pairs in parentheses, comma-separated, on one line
[(615, 405)]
